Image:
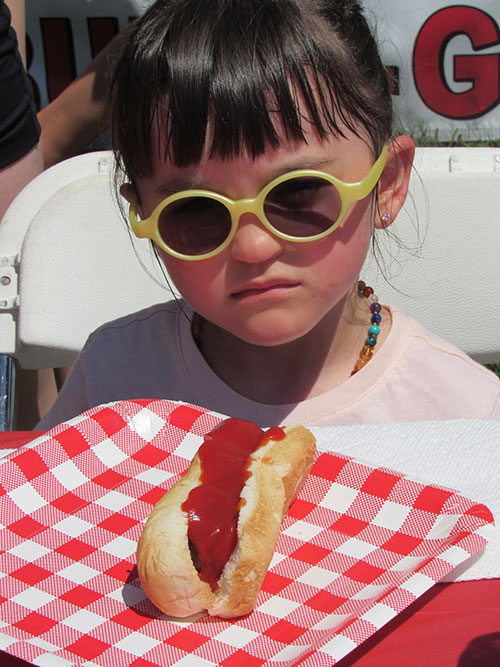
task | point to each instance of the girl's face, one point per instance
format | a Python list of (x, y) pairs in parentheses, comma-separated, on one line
[(262, 289)]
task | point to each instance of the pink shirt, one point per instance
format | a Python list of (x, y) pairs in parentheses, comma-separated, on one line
[(413, 376)]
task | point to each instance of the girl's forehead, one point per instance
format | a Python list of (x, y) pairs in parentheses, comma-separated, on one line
[(333, 153)]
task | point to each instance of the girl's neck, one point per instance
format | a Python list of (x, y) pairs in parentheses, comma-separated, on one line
[(295, 371)]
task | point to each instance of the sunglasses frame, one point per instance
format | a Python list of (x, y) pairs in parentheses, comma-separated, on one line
[(349, 193)]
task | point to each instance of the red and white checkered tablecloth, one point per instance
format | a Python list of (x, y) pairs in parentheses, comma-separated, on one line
[(358, 546)]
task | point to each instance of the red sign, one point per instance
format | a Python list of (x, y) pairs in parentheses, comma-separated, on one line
[(481, 70)]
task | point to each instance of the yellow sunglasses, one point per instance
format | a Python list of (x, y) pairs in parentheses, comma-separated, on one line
[(301, 206)]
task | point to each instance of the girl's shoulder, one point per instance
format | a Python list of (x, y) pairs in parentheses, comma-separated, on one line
[(152, 317), (405, 328), (424, 353), (139, 334)]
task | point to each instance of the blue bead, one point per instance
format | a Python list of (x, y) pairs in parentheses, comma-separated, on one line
[(374, 330), (376, 318), (371, 341)]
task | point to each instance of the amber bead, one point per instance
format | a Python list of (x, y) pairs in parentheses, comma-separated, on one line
[(366, 351), (360, 363)]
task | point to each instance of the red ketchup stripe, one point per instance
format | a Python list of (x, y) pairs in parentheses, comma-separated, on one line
[(213, 506)]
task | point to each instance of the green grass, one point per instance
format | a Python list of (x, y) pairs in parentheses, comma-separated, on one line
[(425, 136), (494, 367)]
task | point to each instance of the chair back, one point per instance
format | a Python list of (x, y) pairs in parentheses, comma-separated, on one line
[(68, 263), (449, 280)]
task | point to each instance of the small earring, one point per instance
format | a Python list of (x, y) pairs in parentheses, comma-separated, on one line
[(386, 218)]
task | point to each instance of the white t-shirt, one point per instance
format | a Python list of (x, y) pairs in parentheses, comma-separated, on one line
[(413, 376)]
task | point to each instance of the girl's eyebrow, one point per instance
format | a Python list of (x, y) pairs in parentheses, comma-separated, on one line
[(175, 185), (179, 184), (314, 165)]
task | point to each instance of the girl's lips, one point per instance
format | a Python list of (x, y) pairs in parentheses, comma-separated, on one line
[(274, 288)]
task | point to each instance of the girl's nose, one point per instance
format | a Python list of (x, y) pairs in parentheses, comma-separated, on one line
[(253, 243)]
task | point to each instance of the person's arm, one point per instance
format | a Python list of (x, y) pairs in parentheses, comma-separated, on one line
[(15, 176), (18, 22), (75, 118)]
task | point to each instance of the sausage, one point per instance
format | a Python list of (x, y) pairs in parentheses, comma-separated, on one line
[(208, 542)]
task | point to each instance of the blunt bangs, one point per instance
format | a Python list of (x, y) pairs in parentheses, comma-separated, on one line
[(223, 76)]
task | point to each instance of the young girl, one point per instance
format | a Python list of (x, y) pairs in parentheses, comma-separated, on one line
[(256, 141)]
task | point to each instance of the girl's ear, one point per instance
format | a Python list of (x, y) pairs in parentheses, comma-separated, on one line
[(127, 192), (393, 184)]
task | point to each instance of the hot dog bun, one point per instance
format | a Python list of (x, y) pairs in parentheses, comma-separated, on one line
[(168, 574)]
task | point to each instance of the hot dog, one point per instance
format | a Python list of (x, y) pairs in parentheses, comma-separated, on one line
[(208, 542)]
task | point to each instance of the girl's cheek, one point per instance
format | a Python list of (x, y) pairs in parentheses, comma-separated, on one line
[(348, 245), (194, 280), (176, 271)]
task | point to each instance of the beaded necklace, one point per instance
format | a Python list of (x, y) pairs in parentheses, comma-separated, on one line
[(368, 348)]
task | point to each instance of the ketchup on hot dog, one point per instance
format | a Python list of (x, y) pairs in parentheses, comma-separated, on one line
[(213, 506)]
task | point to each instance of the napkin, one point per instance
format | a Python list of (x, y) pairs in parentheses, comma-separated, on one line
[(462, 454)]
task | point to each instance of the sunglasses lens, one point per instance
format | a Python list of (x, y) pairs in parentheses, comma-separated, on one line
[(194, 225), (303, 206)]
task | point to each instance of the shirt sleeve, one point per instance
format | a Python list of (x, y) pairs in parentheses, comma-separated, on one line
[(71, 401)]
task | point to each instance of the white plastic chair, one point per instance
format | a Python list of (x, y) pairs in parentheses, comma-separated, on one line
[(451, 283), (68, 263)]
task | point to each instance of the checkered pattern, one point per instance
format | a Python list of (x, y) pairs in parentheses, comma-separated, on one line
[(357, 547)]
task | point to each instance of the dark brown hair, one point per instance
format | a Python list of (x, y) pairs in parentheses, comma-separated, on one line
[(236, 63)]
